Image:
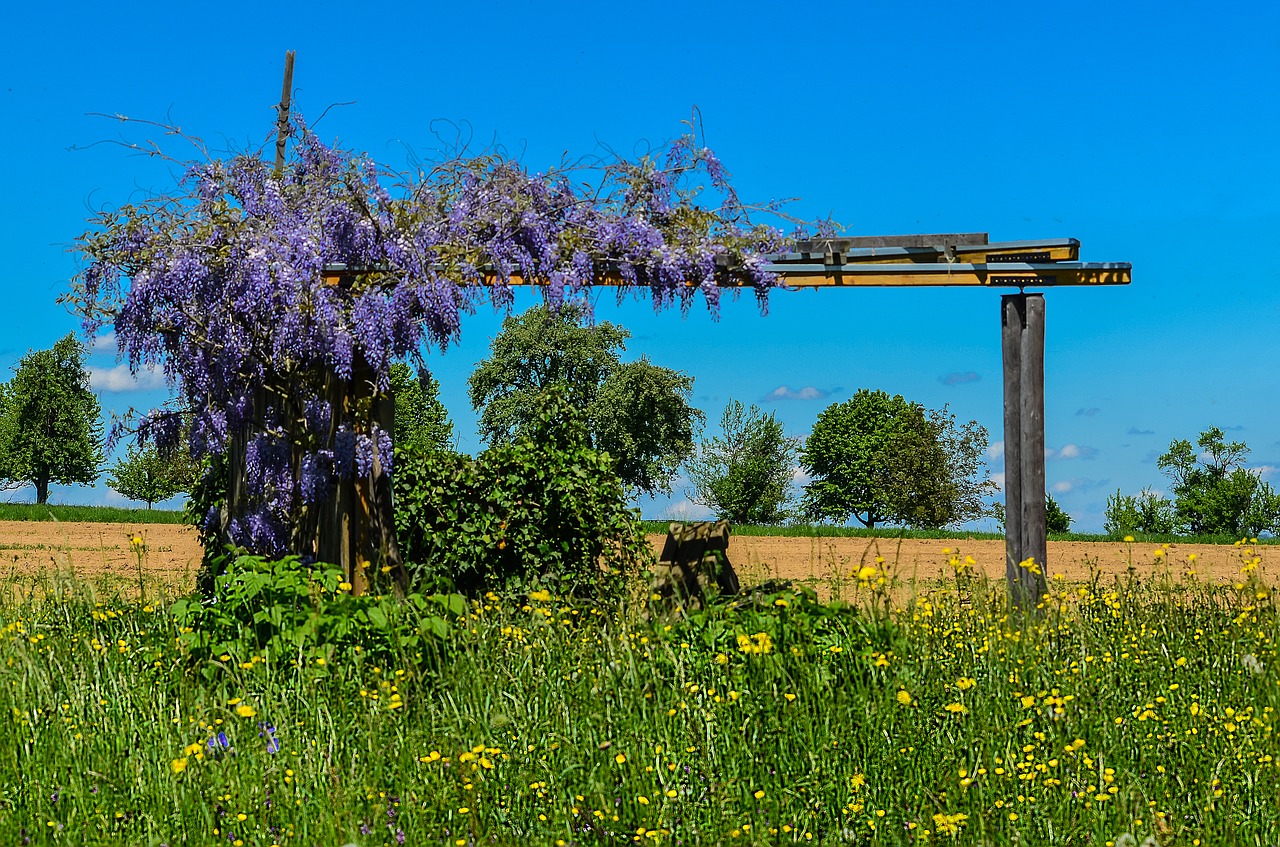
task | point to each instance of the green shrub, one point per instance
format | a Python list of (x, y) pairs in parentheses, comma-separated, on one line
[(1146, 512), (544, 509), (280, 608)]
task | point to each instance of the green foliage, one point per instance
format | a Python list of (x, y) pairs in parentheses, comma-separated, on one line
[(143, 474), (283, 608), (1055, 519), (544, 508), (638, 412), (421, 420), (744, 475), (1213, 492), (50, 421), (880, 458), (641, 416), (208, 499), (1146, 513)]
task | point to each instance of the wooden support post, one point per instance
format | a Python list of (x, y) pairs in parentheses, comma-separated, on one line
[(1022, 325), (282, 123)]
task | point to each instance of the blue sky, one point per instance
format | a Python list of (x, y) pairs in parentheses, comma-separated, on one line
[(1148, 131)]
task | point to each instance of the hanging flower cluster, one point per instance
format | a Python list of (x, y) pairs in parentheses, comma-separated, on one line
[(227, 284)]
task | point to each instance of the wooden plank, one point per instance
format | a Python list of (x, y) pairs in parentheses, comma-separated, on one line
[(992, 275), (1051, 249), (939, 239)]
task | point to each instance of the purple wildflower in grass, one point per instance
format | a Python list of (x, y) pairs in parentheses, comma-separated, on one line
[(267, 731)]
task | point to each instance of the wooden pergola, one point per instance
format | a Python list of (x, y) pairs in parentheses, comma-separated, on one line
[(972, 260), (952, 259)]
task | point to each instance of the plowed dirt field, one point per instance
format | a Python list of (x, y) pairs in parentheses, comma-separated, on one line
[(101, 552)]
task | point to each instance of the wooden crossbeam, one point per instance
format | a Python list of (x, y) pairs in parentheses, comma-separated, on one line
[(986, 275), (890, 275)]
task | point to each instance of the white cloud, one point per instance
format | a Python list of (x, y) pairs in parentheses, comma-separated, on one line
[(995, 450), (1071, 451), (998, 479), (1264, 471), (799, 477), (1063, 486), (119, 379), (686, 510), (105, 343), (783, 392)]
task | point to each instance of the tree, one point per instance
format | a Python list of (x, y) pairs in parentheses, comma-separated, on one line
[(880, 458), (228, 283), (146, 475), (1055, 519), (1214, 494), (638, 412), (421, 420), (50, 421), (744, 475)]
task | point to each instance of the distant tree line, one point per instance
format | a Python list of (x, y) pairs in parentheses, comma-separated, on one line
[(1213, 494)]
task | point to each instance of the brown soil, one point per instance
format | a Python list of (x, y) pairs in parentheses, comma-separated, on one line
[(102, 551), (827, 561)]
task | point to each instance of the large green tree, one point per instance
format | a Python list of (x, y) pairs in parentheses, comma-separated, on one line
[(1213, 493), (638, 412), (744, 474), (879, 458), (421, 420), (50, 421)]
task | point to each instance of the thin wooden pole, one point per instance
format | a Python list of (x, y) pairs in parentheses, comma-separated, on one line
[(282, 123), (1022, 331)]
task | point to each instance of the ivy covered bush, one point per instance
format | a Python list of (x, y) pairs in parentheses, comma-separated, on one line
[(543, 510)]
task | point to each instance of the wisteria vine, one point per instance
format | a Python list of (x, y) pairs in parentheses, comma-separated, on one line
[(223, 285)]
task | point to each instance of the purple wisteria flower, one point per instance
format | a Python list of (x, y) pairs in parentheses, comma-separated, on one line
[(225, 285)]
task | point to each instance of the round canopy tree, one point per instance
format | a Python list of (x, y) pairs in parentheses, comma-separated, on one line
[(879, 458), (228, 284)]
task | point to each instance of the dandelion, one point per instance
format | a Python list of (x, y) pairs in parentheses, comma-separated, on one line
[(179, 765), (964, 683), (957, 708), (903, 697), (759, 794), (621, 758), (245, 711)]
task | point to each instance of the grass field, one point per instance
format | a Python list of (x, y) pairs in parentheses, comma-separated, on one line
[(1123, 711), (90, 514)]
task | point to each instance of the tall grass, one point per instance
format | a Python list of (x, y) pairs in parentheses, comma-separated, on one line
[(1146, 708)]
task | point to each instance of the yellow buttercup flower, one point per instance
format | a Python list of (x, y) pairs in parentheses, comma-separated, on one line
[(245, 711)]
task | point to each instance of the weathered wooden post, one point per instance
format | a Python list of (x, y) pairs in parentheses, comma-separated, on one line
[(1022, 325)]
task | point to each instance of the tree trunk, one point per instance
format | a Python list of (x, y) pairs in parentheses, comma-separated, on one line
[(42, 488)]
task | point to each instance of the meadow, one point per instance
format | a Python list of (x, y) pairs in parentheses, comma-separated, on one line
[(1122, 711)]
